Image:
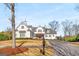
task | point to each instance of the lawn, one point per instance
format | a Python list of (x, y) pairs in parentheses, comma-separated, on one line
[(5, 46), (26, 42)]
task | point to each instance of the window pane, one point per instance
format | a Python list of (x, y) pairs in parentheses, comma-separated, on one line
[(39, 30), (22, 34), (49, 35), (22, 27)]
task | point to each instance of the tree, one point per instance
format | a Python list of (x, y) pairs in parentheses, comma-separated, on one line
[(76, 25), (8, 33), (76, 29), (54, 25), (67, 27), (77, 7), (11, 7), (8, 29)]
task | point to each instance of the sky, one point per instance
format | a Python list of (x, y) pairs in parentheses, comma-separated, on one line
[(39, 14)]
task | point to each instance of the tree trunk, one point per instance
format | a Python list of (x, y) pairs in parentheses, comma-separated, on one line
[(13, 25)]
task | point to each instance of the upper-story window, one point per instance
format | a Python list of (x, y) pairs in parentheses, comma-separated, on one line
[(49, 35), (22, 27), (39, 30), (48, 31)]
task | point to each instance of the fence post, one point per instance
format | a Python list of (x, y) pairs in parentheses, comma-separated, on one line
[(43, 52)]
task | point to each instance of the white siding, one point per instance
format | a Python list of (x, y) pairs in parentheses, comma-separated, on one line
[(49, 36), (17, 34), (39, 28), (20, 29), (29, 34)]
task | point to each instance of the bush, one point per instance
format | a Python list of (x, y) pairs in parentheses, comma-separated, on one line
[(77, 38), (3, 37), (70, 38)]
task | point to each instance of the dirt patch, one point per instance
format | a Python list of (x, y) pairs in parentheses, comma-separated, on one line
[(23, 42), (23, 49), (12, 51), (74, 43), (37, 52)]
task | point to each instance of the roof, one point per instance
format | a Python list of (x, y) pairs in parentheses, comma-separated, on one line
[(49, 31), (24, 23), (34, 28)]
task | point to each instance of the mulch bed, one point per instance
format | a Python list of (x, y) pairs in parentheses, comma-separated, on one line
[(12, 51)]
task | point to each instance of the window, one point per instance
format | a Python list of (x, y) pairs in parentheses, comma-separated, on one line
[(22, 27), (39, 30), (49, 35), (48, 31), (22, 34)]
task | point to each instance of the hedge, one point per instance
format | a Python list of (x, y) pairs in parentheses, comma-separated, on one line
[(72, 38), (4, 37)]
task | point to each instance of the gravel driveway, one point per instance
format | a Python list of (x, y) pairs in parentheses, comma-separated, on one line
[(64, 48)]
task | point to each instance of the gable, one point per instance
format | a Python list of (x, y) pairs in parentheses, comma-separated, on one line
[(39, 29), (22, 27)]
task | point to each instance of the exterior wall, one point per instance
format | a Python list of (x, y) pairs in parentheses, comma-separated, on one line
[(39, 28), (49, 36), (20, 29), (30, 34), (17, 34), (27, 34)]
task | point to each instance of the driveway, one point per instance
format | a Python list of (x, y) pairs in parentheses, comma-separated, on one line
[(64, 48)]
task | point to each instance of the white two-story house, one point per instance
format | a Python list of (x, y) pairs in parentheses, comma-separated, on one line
[(24, 30)]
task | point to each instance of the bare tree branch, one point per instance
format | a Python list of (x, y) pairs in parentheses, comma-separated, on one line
[(7, 5)]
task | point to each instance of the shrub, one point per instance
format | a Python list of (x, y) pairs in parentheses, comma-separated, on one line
[(77, 38), (70, 38), (3, 37)]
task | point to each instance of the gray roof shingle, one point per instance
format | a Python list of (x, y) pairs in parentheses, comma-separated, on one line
[(47, 30)]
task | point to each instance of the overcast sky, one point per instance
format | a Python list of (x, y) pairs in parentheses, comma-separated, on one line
[(39, 14)]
